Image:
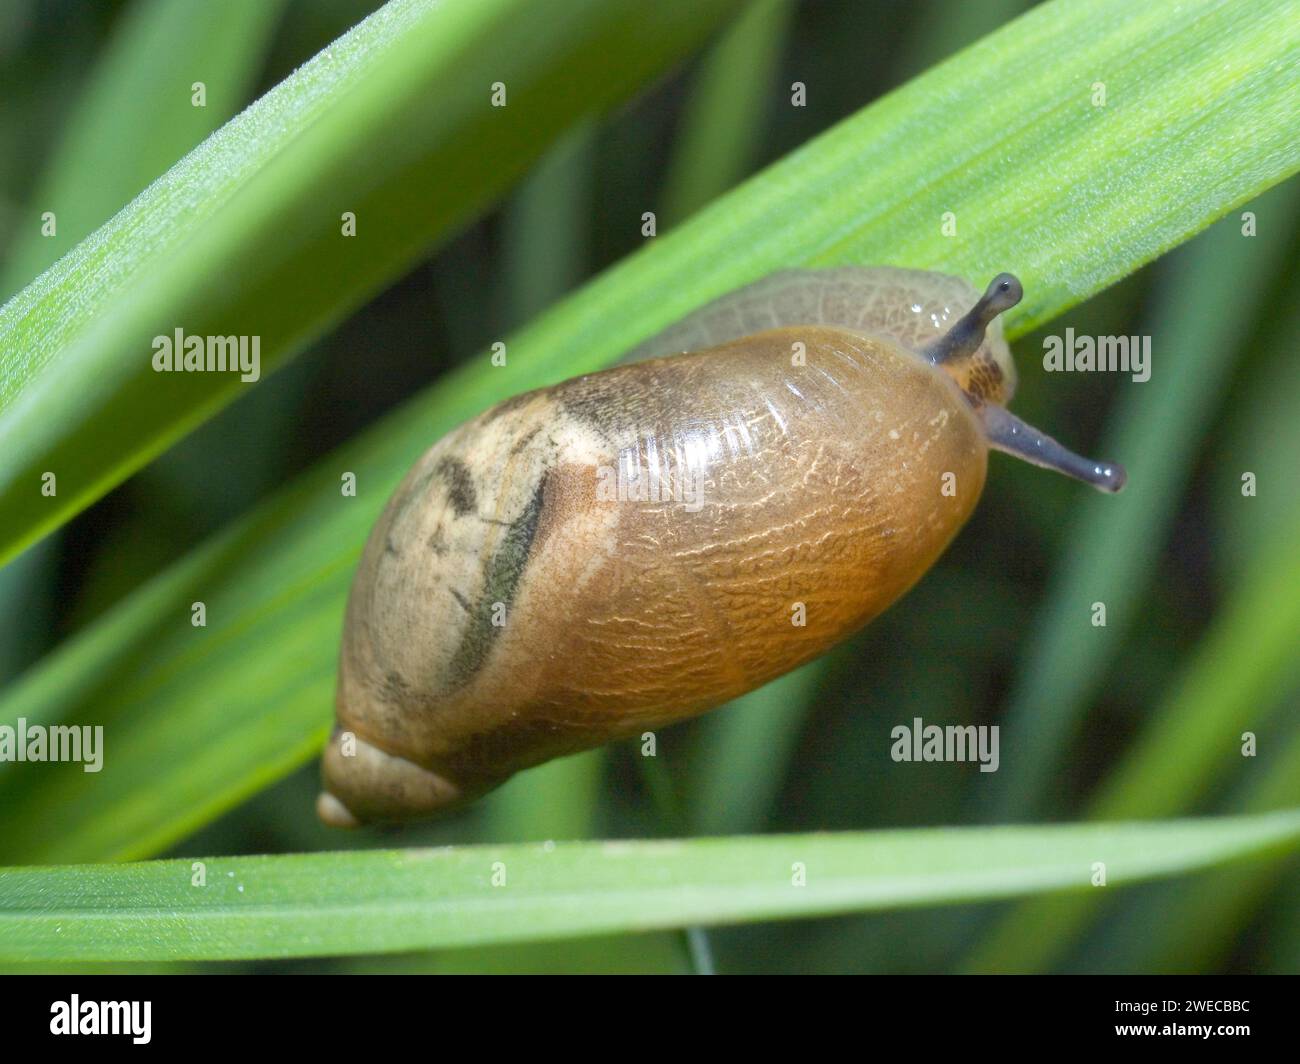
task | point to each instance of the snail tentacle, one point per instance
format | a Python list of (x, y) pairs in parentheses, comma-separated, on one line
[(965, 337), (1008, 433)]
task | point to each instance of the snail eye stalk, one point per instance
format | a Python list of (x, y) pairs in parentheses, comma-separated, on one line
[(965, 337)]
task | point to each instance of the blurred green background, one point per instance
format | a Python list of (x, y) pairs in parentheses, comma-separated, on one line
[(1200, 582)]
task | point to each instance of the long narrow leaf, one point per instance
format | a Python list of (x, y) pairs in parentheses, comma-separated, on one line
[(724, 116), (375, 901), (136, 116), (394, 124)]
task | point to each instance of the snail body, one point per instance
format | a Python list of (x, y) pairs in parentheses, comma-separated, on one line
[(630, 548)]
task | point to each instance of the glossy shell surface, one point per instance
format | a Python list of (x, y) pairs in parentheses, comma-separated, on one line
[(629, 548)]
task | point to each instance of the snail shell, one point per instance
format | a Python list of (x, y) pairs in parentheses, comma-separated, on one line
[(519, 600)]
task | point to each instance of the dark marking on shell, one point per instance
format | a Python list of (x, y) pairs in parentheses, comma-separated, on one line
[(501, 577), (524, 440), (464, 602), (460, 485), (495, 750), (618, 401), (393, 689), (438, 541), (570, 495)]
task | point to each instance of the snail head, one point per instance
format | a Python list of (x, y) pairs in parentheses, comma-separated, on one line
[(960, 352)]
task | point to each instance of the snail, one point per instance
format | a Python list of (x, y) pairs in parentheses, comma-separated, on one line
[(629, 548)]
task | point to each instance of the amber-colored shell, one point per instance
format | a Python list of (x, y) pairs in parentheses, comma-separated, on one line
[(514, 604)]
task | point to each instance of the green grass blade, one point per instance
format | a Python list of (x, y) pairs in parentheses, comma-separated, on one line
[(1283, 952), (1197, 339), (1197, 923), (1069, 196), (724, 115), (742, 751), (547, 236), (943, 27), (1260, 435), (392, 122), (393, 900), (1243, 668), (597, 955), (558, 800), (25, 614), (135, 117)]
